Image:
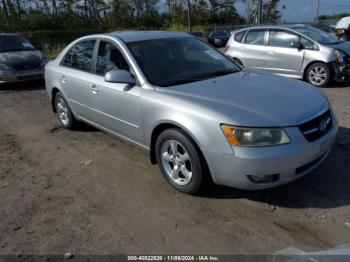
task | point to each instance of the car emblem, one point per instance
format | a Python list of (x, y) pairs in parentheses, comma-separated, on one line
[(323, 126)]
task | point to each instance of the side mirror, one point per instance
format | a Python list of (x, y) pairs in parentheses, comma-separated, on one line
[(296, 44), (120, 76)]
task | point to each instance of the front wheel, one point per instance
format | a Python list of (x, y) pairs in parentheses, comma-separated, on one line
[(318, 74), (180, 161)]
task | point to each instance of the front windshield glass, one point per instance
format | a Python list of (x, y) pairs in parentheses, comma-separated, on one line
[(174, 61), (317, 35), (10, 43)]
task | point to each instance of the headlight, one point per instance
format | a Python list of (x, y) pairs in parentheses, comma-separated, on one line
[(242, 136), (44, 62), (339, 56), (4, 67)]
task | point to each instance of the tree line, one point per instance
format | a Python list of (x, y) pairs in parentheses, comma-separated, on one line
[(34, 15)]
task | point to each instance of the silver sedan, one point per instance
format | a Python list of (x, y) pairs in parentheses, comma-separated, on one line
[(201, 117)]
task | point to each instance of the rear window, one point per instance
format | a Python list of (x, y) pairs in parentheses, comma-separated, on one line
[(239, 36)]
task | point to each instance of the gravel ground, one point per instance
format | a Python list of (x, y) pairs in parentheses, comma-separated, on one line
[(86, 192)]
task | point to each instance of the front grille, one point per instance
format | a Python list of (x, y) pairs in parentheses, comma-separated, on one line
[(26, 66), (317, 127)]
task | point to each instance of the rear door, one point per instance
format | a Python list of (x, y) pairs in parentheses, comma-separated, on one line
[(253, 49), (280, 57), (75, 76)]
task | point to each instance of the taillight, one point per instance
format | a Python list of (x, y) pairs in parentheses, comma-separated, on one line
[(226, 48)]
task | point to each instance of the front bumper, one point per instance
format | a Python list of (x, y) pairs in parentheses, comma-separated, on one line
[(341, 71), (290, 161), (23, 75)]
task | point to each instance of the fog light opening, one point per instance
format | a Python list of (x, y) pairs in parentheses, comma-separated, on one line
[(264, 179)]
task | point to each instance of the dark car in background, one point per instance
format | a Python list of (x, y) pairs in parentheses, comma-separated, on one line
[(218, 38), (19, 59)]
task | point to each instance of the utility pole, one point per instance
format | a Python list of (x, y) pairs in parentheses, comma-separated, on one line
[(318, 10), (189, 15), (258, 19)]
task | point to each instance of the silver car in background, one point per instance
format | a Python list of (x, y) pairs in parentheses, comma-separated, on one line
[(296, 51), (201, 117)]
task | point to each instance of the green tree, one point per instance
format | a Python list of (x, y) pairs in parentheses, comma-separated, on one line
[(271, 14)]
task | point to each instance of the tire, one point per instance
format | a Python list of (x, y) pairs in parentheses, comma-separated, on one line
[(318, 74), (186, 174), (64, 113)]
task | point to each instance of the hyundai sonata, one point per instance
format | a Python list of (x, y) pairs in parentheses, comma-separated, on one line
[(201, 117)]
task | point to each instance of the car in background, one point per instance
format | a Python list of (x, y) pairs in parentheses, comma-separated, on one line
[(218, 38), (201, 117), (296, 51), (19, 59), (324, 27), (199, 35)]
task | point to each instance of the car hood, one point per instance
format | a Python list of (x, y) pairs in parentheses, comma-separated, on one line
[(251, 98), (21, 57), (344, 46)]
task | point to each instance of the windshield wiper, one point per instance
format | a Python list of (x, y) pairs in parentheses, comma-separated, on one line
[(178, 82), (218, 73)]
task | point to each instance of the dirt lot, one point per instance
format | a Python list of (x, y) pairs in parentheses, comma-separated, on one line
[(86, 192)]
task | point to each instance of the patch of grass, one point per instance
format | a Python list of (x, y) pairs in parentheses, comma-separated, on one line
[(52, 51)]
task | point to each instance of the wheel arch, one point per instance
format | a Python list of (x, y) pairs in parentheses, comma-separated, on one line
[(315, 62), (54, 91), (161, 127)]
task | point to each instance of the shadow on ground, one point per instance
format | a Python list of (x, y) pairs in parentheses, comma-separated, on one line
[(326, 187), (24, 86)]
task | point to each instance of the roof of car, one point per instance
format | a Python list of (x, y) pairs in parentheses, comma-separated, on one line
[(133, 36), (281, 26)]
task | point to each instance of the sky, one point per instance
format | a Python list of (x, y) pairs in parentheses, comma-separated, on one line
[(301, 10), (305, 10)]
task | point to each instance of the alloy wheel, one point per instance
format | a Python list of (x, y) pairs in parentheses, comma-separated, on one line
[(176, 162), (62, 111), (318, 75)]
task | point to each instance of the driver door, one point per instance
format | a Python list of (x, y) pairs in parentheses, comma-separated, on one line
[(115, 106)]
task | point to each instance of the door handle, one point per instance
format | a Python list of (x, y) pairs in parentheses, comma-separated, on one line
[(94, 89)]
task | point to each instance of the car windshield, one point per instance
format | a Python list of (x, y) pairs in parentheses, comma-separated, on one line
[(317, 35), (174, 61), (10, 43)]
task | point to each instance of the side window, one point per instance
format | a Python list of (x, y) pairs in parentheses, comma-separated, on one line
[(239, 36), (256, 37), (67, 59), (108, 58), (80, 56), (282, 38), (307, 44)]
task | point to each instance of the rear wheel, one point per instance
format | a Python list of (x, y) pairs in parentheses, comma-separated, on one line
[(318, 74), (180, 161), (64, 113)]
